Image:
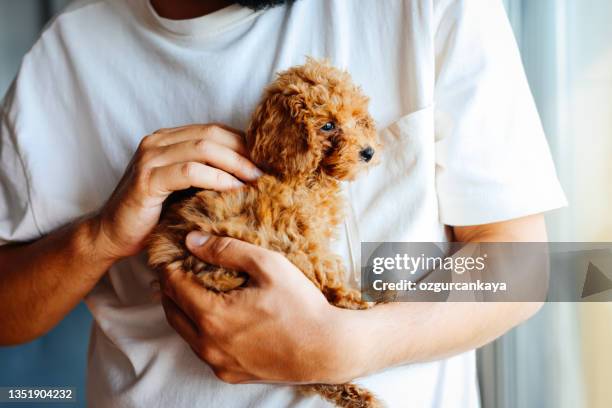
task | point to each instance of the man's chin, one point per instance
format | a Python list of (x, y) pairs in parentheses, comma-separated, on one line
[(262, 4)]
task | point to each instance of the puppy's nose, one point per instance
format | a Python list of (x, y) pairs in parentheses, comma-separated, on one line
[(366, 154)]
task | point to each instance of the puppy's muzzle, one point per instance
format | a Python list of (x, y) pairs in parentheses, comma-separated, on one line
[(367, 154)]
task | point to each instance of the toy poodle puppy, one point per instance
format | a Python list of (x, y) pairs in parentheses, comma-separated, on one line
[(310, 131)]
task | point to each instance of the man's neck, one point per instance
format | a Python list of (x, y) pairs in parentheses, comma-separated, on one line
[(185, 9)]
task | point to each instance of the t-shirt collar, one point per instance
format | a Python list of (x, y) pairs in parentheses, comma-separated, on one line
[(205, 26)]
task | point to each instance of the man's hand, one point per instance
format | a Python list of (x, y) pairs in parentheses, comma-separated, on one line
[(279, 328), (76, 256), (203, 156)]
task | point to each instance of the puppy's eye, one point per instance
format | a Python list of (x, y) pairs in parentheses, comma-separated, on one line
[(328, 126)]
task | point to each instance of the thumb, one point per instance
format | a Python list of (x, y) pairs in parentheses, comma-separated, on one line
[(230, 253)]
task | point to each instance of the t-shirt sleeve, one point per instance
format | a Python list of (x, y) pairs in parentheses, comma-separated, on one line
[(17, 221), (492, 159)]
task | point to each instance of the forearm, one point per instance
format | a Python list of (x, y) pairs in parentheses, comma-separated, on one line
[(401, 333), (42, 281)]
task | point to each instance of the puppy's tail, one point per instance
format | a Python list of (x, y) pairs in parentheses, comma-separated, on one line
[(344, 395)]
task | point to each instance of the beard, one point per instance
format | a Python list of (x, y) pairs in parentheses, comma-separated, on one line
[(262, 4)]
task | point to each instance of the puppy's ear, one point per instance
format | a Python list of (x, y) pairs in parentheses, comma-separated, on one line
[(279, 139)]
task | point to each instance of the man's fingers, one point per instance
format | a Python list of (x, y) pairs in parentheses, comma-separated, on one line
[(196, 339), (180, 321), (234, 254), (208, 152), (221, 134), (189, 295), (164, 180)]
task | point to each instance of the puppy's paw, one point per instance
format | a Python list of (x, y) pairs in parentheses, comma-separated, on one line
[(220, 279), (344, 395)]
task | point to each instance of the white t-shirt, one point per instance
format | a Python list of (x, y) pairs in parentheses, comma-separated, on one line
[(464, 146)]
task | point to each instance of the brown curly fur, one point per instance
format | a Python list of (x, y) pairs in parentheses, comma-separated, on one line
[(296, 207)]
